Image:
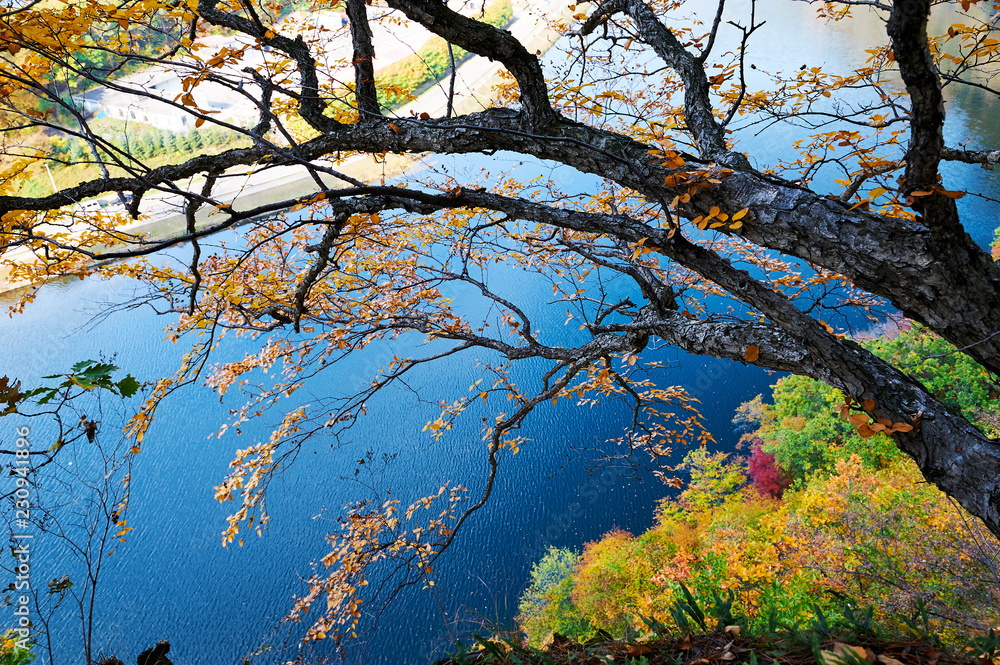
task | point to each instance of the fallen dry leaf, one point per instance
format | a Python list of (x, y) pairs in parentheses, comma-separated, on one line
[(886, 660), (836, 657), (640, 650)]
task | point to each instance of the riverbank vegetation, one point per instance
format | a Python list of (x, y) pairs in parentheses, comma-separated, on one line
[(72, 162), (68, 153), (817, 518)]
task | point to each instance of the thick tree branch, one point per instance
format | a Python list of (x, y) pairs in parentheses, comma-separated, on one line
[(489, 42), (804, 347), (311, 106), (708, 133), (907, 28), (984, 157), (942, 280), (364, 58)]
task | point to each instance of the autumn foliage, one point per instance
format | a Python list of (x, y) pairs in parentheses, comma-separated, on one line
[(848, 523), (858, 536), (765, 474)]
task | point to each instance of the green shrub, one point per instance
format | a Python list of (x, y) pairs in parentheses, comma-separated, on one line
[(546, 607), (955, 379), (613, 582)]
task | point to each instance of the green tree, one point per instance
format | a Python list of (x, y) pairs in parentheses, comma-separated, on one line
[(546, 607), (806, 430)]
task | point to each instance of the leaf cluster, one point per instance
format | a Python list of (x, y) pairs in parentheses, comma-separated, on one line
[(88, 375)]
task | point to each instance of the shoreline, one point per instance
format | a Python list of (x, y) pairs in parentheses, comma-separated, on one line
[(246, 189)]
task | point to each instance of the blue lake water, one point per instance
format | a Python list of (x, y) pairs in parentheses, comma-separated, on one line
[(173, 580)]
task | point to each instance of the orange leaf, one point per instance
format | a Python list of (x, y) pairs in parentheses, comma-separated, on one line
[(639, 650), (868, 405), (858, 419), (752, 353)]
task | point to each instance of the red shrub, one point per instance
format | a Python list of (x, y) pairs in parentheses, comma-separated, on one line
[(766, 475)]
